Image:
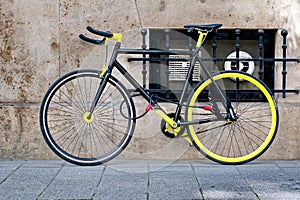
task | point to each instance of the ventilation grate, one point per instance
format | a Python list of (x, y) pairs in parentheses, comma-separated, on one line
[(179, 69)]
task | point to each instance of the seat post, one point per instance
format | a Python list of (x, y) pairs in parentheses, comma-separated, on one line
[(200, 38)]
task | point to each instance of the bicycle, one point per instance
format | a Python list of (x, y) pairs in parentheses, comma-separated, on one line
[(88, 117)]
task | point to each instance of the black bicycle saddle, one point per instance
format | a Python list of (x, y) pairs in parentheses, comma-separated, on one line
[(204, 27)]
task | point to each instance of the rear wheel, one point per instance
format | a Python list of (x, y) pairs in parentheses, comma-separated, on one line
[(75, 135), (219, 137)]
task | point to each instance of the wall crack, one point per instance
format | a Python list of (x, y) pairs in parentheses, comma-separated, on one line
[(138, 12)]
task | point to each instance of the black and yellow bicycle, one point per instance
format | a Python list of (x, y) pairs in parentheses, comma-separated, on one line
[(88, 117)]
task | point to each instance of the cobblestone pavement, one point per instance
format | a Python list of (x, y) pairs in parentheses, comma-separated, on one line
[(136, 179)]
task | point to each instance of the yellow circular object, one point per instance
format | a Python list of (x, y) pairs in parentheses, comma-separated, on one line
[(86, 118)]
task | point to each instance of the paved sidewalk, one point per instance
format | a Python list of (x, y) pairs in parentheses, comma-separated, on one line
[(33, 179)]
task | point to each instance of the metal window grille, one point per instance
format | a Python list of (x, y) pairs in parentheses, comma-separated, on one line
[(265, 58)]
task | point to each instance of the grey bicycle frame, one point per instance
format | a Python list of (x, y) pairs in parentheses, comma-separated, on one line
[(114, 63)]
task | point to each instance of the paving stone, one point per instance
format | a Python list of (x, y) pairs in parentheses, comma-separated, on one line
[(174, 182), (223, 182), (122, 185), (26, 183), (74, 183), (270, 182)]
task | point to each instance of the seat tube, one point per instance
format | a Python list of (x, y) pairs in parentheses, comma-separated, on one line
[(186, 85), (194, 55)]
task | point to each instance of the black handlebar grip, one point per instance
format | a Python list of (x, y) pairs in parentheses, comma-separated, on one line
[(91, 40), (101, 33)]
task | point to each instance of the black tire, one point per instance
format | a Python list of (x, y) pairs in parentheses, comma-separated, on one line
[(68, 131)]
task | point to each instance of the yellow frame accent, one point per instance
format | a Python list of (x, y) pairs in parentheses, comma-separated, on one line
[(270, 134), (200, 38), (116, 36), (165, 117), (103, 71)]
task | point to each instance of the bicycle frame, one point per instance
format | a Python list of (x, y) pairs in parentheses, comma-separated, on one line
[(114, 63)]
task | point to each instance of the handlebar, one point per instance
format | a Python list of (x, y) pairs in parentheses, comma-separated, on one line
[(101, 33), (91, 40), (97, 32)]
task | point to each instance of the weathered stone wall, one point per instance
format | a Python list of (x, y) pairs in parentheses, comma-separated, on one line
[(39, 42)]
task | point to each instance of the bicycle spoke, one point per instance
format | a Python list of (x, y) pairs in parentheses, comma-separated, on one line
[(239, 140), (81, 140)]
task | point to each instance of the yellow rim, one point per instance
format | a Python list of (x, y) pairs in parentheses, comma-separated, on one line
[(270, 134)]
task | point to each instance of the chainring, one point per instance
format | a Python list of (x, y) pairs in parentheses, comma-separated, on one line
[(168, 131)]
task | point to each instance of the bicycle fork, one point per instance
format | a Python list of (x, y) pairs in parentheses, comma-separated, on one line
[(105, 75)]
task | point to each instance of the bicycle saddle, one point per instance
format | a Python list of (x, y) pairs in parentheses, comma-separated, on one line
[(204, 27)]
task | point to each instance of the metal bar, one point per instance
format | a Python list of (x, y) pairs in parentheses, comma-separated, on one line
[(284, 33), (219, 59), (180, 91), (286, 91), (144, 46), (190, 44), (260, 47), (237, 47), (214, 48), (153, 51), (237, 55), (167, 32)]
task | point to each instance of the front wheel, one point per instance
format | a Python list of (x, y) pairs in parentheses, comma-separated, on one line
[(72, 132), (226, 140)]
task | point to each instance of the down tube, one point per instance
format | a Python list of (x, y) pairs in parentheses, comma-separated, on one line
[(140, 89), (133, 82)]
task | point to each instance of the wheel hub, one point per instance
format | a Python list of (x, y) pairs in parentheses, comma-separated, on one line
[(88, 117), (231, 116)]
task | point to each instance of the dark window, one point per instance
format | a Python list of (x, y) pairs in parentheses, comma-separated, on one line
[(168, 74)]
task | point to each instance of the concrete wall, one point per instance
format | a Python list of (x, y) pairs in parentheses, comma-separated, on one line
[(39, 42)]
